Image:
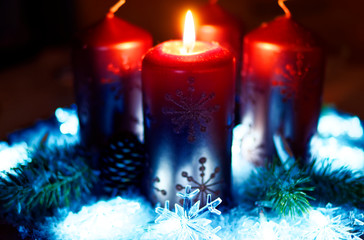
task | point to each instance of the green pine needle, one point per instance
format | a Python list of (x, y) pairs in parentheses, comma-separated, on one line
[(281, 190), (337, 186), (291, 191), (52, 179), (286, 193)]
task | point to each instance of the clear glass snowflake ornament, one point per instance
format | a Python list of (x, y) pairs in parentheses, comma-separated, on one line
[(329, 224), (188, 221)]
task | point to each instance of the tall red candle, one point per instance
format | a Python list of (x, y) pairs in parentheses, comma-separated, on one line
[(217, 25), (188, 107), (283, 67), (107, 66)]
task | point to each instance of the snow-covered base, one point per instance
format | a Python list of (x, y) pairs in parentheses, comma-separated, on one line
[(118, 218), (133, 218)]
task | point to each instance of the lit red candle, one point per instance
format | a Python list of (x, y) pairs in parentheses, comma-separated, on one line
[(217, 25), (283, 67), (188, 90), (107, 66)]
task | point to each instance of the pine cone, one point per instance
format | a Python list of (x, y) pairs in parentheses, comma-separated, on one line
[(122, 164)]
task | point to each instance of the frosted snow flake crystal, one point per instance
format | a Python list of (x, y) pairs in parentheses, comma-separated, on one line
[(326, 224), (189, 222)]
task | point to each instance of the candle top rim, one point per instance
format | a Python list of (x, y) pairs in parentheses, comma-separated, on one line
[(177, 47), (283, 30), (113, 30), (213, 55)]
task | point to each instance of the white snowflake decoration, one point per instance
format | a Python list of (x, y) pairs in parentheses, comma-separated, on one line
[(326, 224), (189, 221)]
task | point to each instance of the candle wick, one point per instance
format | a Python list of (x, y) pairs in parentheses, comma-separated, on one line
[(189, 49), (186, 50), (284, 7), (116, 7)]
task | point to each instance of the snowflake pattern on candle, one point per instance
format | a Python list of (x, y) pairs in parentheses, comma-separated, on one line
[(296, 81), (205, 186), (162, 191), (189, 111)]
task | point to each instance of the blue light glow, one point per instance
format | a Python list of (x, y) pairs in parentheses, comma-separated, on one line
[(339, 141), (332, 151), (333, 124), (68, 120), (11, 156), (60, 130)]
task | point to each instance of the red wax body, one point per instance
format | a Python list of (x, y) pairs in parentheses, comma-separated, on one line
[(188, 109), (107, 66), (216, 24), (283, 69)]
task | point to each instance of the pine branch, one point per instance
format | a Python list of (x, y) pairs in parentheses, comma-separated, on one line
[(337, 186), (52, 179), (286, 191), (282, 190)]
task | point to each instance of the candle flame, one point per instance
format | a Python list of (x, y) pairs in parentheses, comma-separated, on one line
[(284, 7), (116, 6), (189, 35)]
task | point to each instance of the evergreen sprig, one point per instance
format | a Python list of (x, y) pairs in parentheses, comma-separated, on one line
[(283, 190), (340, 186), (52, 179), (292, 190)]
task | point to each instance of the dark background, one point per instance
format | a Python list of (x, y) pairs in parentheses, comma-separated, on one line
[(35, 40)]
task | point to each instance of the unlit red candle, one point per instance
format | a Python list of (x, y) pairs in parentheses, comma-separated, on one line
[(283, 67), (188, 106), (107, 64)]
